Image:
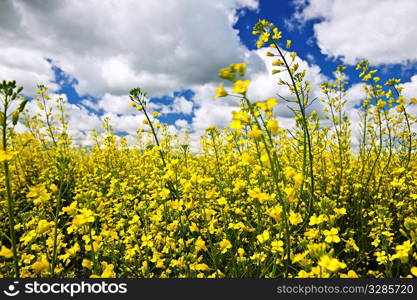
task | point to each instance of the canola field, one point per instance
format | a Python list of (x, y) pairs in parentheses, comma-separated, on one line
[(255, 201)]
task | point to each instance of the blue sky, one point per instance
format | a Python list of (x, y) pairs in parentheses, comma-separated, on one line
[(93, 52), (303, 41)]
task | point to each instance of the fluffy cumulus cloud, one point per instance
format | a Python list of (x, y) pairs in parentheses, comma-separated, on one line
[(264, 85), (410, 88), (112, 46), (382, 31), (27, 66)]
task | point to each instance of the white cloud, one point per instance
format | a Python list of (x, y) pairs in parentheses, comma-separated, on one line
[(355, 94), (125, 123), (110, 46), (116, 104), (382, 31), (26, 66), (182, 124), (179, 105), (182, 106), (410, 88), (264, 84)]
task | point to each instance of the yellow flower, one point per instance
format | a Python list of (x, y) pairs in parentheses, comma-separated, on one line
[(316, 220), (277, 246), (28, 237), (40, 266), (367, 77), (221, 92), (298, 180), (240, 86), (108, 270), (402, 251), (381, 104), (43, 226), (295, 218), (414, 271), (277, 34), (351, 244), (303, 274), (289, 172), (291, 193), (263, 38), (340, 211), (260, 257), (86, 216), (263, 237), (222, 201), (275, 213), (311, 233), (236, 124), (332, 235), (6, 252), (331, 264), (265, 160), (226, 74), (240, 252), (87, 264), (6, 156), (71, 253), (349, 274), (271, 103), (255, 133), (273, 126), (200, 245), (288, 44), (200, 267), (278, 62), (224, 246), (316, 250), (39, 194), (261, 105), (381, 257), (240, 68), (71, 209), (53, 188)]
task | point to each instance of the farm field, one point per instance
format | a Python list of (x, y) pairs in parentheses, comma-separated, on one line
[(255, 200)]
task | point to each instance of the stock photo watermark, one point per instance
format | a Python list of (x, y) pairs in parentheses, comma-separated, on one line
[(60, 288)]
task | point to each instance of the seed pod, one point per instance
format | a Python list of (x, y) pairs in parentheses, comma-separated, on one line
[(22, 104)]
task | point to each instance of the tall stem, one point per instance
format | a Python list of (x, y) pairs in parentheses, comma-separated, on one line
[(9, 195)]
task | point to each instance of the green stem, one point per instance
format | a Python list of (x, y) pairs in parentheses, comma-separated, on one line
[(9, 195)]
